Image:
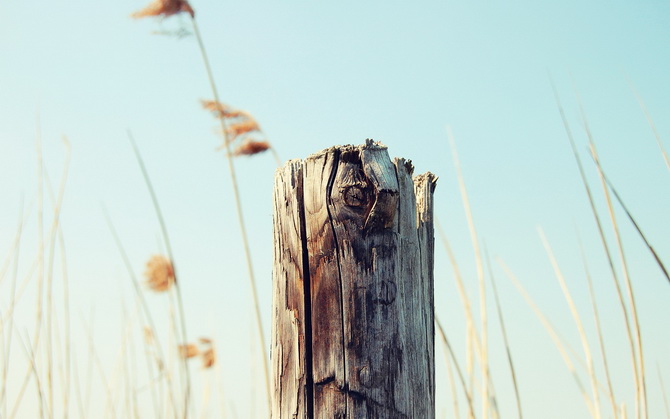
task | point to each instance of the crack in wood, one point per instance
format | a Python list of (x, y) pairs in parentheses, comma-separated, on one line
[(353, 316)]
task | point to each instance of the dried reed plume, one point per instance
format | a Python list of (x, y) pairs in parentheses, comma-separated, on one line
[(251, 147), (221, 110), (188, 351), (164, 8), (159, 273), (240, 123), (208, 358)]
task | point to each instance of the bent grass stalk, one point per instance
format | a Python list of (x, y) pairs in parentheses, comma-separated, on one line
[(8, 348), (468, 395), (160, 358), (665, 396), (610, 260), (653, 127), (624, 268), (632, 220), (601, 342), (240, 214), (508, 351), (50, 268), (552, 333), (159, 214), (484, 364), (577, 319), (465, 300)]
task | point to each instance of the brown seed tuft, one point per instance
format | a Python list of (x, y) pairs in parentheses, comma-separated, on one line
[(251, 147), (159, 273), (164, 8), (240, 128), (205, 341), (208, 358), (221, 110), (188, 351)]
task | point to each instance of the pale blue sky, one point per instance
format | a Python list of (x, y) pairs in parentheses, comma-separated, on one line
[(318, 74)]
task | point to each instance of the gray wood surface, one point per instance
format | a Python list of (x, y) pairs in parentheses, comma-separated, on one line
[(353, 331)]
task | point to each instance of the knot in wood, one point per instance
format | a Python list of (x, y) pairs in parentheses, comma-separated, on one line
[(355, 196)]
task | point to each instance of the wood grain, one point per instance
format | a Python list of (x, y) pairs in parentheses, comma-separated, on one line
[(353, 332)]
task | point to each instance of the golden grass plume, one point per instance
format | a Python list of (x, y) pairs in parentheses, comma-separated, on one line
[(251, 147), (159, 273), (188, 350), (164, 8)]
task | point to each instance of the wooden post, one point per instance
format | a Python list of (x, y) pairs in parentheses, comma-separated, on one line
[(353, 331)]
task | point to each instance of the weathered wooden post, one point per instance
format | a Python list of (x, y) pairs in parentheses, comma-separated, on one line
[(353, 331)]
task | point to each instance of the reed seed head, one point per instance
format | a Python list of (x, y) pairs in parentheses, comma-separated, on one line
[(164, 8), (188, 350), (159, 273), (251, 147), (208, 358)]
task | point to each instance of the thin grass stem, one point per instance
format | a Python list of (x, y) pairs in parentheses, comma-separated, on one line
[(552, 333), (161, 220), (610, 260), (601, 342), (240, 214), (508, 351), (665, 396), (642, 389), (468, 395), (577, 319), (484, 364)]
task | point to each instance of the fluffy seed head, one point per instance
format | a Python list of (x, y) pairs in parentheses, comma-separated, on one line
[(188, 351), (164, 8), (251, 147), (208, 358), (159, 273)]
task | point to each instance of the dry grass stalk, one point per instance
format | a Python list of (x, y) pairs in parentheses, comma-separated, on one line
[(665, 396), (471, 333), (640, 369), (610, 259), (577, 319), (552, 333), (164, 8), (480, 277), (601, 343), (188, 350), (159, 273), (468, 396), (503, 329), (664, 153)]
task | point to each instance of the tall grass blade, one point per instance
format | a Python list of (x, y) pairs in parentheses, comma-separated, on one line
[(665, 396), (653, 127), (240, 214), (8, 348), (577, 319), (624, 267), (480, 277), (632, 220), (610, 260), (601, 342), (143, 303), (180, 304), (468, 395), (552, 333), (508, 351)]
